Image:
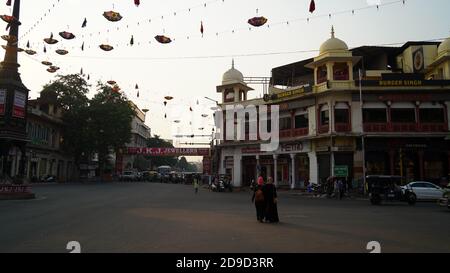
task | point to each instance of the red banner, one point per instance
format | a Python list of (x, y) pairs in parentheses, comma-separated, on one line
[(168, 151), (2, 101), (19, 105)]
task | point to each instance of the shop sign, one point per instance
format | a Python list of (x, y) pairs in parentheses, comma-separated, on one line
[(2, 101), (403, 83), (297, 147), (286, 95), (19, 105), (341, 171)]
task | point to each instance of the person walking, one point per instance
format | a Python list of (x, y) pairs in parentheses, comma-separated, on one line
[(258, 198), (196, 185), (270, 196)]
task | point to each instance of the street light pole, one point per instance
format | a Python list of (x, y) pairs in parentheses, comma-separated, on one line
[(362, 131)]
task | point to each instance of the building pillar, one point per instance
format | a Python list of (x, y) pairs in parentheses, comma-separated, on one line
[(293, 171), (275, 170), (313, 168), (392, 162), (421, 165), (237, 171)]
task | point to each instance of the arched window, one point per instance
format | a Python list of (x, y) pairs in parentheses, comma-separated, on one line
[(431, 113), (341, 72), (322, 74), (324, 115), (341, 113), (403, 112), (375, 112)]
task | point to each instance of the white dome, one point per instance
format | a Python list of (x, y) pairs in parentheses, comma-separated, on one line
[(444, 46), (333, 44), (232, 76)]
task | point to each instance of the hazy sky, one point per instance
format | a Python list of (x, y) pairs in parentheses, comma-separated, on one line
[(162, 70)]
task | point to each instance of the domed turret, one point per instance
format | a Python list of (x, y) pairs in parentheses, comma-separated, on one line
[(232, 76), (333, 44)]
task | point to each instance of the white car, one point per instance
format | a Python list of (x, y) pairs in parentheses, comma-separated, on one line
[(425, 190)]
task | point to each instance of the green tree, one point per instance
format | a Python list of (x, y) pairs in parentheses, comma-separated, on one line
[(70, 93), (110, 117)]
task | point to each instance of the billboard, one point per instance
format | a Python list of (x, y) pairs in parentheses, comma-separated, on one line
[(19, 104), (2, 101)]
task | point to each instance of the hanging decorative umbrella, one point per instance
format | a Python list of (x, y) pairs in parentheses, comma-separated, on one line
[(257, 21), (67, 35), (201, 129), (168, 98), (165, 115), (50, 40), (312, 6), (111, 82), (20, 49), (106, 47), (46, 63), (177, 121), (163, 39), (54, 68), (190, 109), (9, 19), (165, 103), (62, 51), (82, 47), (132, 40), (84, 23), (145, 110), (8, 3), (45, 49), (51, 70), (81, 71), (9, 38), (204, 115), (137, 94), (201, 28), (112, 16), (30, 52), (28, 44), (137, 86), (137, 2)]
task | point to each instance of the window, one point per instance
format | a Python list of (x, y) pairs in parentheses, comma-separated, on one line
[(341, 113), (301, 121), (324, 116), (403, 115), (321, 74), (435, 115), (374, 115), (340, 72), (285, 123)]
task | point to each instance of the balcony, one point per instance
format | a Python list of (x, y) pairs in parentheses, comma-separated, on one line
[(433, 127), (324, 129), (342, 127), (405, 127), (285, 133), (301, 132), (376, 127)]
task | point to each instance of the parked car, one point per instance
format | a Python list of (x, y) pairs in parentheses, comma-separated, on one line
[(425, 190), (129, 176), (387, 188), (445, 200)]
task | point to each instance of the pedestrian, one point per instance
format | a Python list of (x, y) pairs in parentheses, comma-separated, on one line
[(196, 186), (258, 198), (336, 188), (270, 197), (341, 188)]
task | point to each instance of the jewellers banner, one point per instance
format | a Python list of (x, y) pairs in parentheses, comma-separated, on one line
[(169, 151), (19, 105)]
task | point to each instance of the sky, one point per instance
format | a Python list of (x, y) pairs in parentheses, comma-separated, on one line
[(192, 66)]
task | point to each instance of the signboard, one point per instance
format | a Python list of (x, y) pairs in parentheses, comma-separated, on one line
[(286, 95), (341, 171), (2, 101), (19, 105), (168, 151), (297, 147)]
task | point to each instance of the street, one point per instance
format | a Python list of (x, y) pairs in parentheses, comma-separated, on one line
[(166, 218)]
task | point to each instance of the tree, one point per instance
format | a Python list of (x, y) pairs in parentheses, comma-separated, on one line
[(110, 117), (69, 92), (157, 142)]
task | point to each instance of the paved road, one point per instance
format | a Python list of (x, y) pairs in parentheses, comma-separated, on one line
[(145, 217)]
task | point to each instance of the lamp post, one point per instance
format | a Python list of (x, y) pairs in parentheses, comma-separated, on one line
[(363, 144), (13, 102)]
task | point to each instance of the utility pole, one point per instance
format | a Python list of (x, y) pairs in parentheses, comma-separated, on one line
[(363, 144)]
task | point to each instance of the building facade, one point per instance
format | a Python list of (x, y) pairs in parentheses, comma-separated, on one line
[(140, 133), (394, 121)]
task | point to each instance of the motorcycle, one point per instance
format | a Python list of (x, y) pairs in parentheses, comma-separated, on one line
[(218, 186)]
